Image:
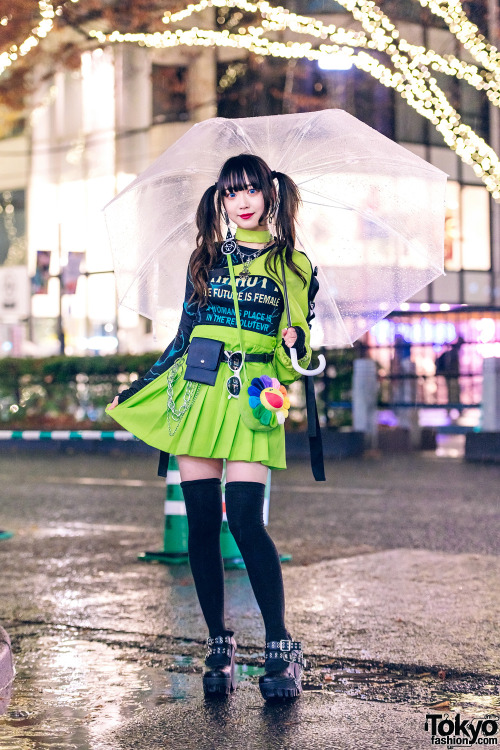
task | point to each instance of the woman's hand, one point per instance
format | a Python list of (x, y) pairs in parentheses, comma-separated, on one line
[(113, 403), (289, 336)]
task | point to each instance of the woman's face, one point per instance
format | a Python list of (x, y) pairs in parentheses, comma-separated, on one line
[(245, 207)]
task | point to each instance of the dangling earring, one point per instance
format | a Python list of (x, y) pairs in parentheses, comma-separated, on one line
[(229, 244)]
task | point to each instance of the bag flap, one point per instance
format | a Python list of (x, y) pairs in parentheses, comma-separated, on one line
[(204, 353)]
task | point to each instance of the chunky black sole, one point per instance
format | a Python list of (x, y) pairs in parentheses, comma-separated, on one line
[(269, 693), (220, 685), (281, 687)]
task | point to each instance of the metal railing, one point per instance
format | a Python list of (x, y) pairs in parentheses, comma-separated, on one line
[(413, 384)]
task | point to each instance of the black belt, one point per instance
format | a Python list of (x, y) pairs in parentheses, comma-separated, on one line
[(260, 358)]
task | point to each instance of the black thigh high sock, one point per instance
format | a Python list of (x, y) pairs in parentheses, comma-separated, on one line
[(203, 501), (244, 509)]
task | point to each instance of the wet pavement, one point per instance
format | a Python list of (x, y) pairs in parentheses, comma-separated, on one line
[(392, 587)]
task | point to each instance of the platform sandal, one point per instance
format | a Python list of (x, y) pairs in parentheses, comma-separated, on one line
[(283, 665), (220, 677)]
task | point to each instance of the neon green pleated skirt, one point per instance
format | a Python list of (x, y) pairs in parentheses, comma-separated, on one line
[(212, 426)]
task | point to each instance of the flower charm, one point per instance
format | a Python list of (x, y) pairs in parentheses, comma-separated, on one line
[(267, 397)]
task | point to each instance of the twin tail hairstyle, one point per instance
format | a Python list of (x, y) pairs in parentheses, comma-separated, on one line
[(281, 203)]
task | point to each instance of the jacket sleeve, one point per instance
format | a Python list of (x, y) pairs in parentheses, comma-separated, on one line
[(302, 313), (174, 350)]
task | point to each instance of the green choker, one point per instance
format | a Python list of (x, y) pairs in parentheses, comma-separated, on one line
[(253, 235)]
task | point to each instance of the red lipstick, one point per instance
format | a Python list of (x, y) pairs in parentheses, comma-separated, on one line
[(246, 216)]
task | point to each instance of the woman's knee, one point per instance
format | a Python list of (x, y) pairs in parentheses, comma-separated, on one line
[(246, 471), (193, 468)]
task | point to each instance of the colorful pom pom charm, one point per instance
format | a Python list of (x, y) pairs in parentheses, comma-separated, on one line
[(267, 404), (267, 397)]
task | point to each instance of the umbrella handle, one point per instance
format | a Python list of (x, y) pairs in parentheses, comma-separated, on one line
[(298, 368)]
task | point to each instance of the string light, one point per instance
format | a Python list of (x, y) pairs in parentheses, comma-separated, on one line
[(413, 65), (279, 19), (412, 77), (432, 104), (275, 19), (45, 25), (424, 95), (428, 100), (466, 32)]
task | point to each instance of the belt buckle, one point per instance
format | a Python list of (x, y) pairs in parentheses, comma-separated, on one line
[(285, 645)]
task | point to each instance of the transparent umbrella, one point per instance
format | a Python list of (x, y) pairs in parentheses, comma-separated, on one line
[(372, 216)]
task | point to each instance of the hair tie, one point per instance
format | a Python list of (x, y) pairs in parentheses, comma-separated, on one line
[(274, 174)]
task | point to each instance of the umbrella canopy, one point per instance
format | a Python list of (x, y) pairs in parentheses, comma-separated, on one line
[(372, 216)]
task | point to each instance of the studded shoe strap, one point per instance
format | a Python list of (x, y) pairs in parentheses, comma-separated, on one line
[(290, 651), (221, 644)]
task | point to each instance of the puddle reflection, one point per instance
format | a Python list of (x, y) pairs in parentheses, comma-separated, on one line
[(245, 671), (68, 693)]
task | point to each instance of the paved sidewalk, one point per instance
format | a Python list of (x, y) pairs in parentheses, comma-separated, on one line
[(413, 607), (393, 589)]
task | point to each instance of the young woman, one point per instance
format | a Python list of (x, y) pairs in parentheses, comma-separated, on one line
[(234, 322)]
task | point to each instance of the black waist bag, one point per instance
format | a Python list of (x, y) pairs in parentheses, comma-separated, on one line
[(203, 359)]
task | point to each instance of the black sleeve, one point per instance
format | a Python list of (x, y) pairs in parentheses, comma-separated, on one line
[(313, 290), (174, 350), (300, 344)]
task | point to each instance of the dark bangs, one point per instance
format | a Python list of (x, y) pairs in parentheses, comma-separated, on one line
[(282, 200), (240, 171)]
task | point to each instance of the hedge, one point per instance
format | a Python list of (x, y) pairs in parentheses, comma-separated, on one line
[(65, 390), (69, 391)]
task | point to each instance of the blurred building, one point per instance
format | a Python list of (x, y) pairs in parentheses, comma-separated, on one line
[(92, 130)]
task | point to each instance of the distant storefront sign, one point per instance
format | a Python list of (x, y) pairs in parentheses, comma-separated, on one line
[(71, 272), (14, 293), (40, 281)]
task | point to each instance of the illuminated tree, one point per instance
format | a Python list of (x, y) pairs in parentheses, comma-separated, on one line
[(376, 47)]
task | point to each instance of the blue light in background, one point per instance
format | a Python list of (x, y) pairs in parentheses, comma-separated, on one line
[(423, 331)]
